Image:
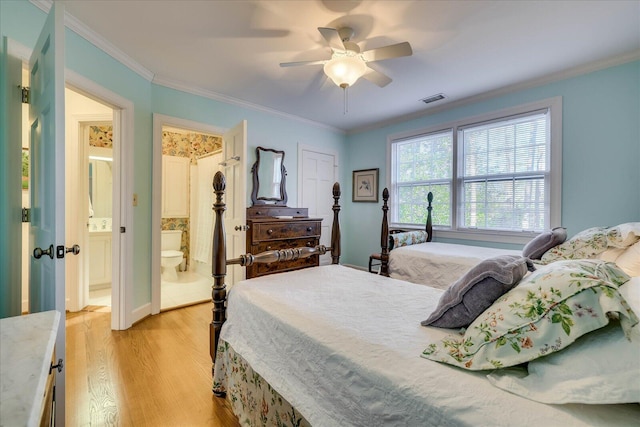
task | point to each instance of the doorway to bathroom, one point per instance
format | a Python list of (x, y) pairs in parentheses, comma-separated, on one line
[(90, 171), (190, 159)]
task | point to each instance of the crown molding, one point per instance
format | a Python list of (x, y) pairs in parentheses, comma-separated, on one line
[(551, 78), (72, 23), (92, 37), (182, 87)]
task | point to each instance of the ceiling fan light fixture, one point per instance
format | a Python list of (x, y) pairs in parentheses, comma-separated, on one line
[(345, 70)]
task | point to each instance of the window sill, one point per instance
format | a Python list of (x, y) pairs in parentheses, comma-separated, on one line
[(479, 236)]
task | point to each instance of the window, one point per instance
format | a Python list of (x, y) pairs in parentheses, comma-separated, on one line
[(496, 175), (422, 164)]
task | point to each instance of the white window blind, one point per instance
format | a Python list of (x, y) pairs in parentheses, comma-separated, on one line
[(505, 174), (421, 164)]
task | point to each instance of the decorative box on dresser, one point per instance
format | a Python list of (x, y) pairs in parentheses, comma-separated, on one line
[(280, 227)]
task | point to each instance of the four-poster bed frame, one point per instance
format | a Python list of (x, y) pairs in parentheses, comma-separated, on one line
[(220, 261), (384, 232)]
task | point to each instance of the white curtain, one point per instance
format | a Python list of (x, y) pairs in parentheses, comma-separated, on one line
[(202, 233)]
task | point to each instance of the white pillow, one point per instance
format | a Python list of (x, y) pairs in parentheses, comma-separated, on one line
[(611, 254), (602, 367), (629, 260)]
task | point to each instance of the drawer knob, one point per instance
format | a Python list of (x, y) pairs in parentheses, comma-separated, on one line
[(268, 248), (270, 231), (309, 229), (309, 244)]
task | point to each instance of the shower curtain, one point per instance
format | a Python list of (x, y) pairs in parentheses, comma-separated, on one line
[(203, 233)]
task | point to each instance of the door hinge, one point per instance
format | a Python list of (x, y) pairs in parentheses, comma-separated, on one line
[(25, 95), (26, 215)]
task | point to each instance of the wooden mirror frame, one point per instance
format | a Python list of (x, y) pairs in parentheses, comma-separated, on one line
[(279, 201)]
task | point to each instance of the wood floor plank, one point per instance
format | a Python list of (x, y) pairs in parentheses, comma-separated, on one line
[(157, 373)]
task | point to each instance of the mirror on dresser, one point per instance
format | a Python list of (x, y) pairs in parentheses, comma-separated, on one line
[(271, 224), (269, 178)]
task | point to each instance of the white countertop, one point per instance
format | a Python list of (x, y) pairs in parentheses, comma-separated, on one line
[(26, 347)]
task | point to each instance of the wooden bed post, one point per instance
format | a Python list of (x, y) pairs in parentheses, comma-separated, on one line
[(220, 261), (219, 267), (429, 227), (335, 228), (384, 235)]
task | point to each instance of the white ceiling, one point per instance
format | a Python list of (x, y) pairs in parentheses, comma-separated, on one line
[(232, 49)]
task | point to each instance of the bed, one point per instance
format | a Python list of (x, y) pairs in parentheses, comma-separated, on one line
[(332, 345), (413, 257)]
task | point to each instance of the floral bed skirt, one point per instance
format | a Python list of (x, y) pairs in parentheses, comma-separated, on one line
[(252, 399)]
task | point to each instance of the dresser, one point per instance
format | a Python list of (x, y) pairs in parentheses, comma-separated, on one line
[(280, 227), (26, 378)]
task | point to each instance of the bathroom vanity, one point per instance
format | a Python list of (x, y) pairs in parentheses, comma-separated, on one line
[(100, 253)]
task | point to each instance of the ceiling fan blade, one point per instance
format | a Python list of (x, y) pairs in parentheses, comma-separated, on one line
[(376, 77), (332, 37), (295, 64), (388, 52)]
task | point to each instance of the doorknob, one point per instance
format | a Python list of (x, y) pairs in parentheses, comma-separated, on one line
[(241, 227), (38, 252), (75, 249)]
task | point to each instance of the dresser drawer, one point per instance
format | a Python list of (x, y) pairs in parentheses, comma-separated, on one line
[(284, 244), (284, 230), (278, 267)]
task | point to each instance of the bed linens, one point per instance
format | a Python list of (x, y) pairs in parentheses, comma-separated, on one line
[(438, 264), (343, 347)]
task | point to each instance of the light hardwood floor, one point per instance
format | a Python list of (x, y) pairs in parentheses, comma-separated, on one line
[(157, 373)]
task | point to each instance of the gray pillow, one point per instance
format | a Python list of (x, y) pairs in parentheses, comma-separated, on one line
[(474, 292), (543, 242)]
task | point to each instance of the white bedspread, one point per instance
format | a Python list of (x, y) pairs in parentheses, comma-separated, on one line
[(343, 347), (438, 264)]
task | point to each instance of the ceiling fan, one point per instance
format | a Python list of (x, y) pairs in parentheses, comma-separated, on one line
[(347, 64)]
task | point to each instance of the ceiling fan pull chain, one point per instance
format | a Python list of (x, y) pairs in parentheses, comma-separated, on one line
[(345, 93)]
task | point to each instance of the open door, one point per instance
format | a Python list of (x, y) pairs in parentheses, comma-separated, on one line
[(10, 176), (47, 182), (234, 148)]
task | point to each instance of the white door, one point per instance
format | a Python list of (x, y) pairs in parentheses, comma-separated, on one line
[(234, 149), (316, 179), (47, 181), (10, 192)]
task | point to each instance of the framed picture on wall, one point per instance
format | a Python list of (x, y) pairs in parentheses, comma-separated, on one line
[(365, 185)]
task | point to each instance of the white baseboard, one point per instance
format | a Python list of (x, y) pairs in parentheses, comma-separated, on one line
[(141, 312)]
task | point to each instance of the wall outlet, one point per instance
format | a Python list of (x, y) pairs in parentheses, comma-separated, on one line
[(135, 199)]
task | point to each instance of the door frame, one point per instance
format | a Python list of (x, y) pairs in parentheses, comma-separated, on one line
[(160, 121), (78, 280), (123, 183)]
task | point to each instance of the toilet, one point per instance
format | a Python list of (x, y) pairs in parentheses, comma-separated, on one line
[(171, 256)]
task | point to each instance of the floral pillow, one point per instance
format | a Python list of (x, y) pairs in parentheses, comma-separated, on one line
[(546, 312), (592, 242), (582, 373), (407, 238)]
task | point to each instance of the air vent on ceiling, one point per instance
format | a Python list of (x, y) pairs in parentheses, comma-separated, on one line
[(432, 98)]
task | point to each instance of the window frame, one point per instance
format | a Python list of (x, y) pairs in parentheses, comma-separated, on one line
[(457, 231)]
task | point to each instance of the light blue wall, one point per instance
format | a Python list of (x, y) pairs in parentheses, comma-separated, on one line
[(601, 140), (264, 129), (600, 144)]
